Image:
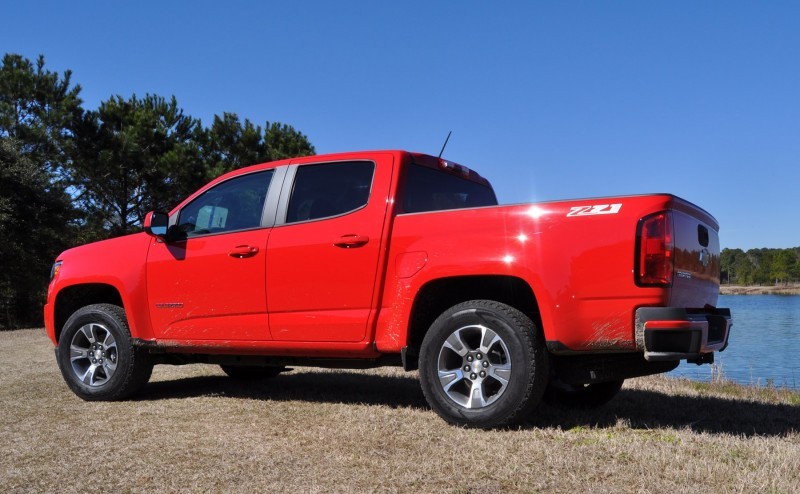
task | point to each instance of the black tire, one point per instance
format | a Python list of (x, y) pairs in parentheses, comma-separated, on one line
[(251, 372), (508, 365), (579, 396), (96, 356)]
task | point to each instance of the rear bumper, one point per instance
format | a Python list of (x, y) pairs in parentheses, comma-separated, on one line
[(672, 333)]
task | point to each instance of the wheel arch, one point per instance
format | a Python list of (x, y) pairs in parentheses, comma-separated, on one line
[(436, 296), (73, 297)]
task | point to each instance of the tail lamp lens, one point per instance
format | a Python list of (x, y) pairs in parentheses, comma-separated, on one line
[(655, 250)]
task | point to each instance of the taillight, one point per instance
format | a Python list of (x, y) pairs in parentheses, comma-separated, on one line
[(654, 250)]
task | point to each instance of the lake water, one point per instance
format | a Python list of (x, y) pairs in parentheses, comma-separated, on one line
[(764, 345)]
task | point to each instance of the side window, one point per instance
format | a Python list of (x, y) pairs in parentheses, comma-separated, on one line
[(433, 190), (331, 189), (236, 204)]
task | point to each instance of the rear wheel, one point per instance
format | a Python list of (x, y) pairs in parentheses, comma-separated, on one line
[(581, 395), (483, 364), (251, 372), (96, 356)]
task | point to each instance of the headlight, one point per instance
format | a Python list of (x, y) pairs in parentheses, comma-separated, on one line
[(54, 270)]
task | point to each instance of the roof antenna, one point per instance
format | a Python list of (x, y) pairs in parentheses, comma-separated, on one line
[(445, 144)]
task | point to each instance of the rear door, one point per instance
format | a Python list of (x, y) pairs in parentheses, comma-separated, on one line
[(323, 254)]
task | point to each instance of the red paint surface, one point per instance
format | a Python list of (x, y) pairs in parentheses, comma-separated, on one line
[(346, 285)]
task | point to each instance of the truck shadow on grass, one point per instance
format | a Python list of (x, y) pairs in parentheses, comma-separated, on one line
[(322, 387), (641, 409), (635, 408)]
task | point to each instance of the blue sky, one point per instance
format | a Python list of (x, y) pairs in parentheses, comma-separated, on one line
[(549, 100)]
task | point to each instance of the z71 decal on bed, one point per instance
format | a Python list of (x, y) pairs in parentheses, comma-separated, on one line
[(593, 210)]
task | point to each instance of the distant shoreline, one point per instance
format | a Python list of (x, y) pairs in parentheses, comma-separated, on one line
[(788, 289)]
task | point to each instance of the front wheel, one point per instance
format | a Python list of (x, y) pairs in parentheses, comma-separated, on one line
[(483, 364), (96, 356)]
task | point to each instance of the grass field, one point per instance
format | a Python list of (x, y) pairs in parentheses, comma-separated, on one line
[(312, 430)]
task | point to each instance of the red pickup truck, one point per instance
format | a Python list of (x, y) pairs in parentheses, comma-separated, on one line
[(382, 258)]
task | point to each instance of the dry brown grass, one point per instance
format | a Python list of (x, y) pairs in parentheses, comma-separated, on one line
[(194, 430)]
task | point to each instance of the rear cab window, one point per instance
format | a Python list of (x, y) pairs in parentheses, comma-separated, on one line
[(429, 189), (329, 189)]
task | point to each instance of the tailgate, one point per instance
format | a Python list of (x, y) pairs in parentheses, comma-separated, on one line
[(696, 257)]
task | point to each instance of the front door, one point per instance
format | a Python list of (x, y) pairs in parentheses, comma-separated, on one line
[(211, 283)]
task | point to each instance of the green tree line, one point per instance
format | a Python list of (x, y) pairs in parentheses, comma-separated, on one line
[(760, 266), (71, 175)]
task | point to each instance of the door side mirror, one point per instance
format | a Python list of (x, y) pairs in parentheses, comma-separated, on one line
[(155, 224)]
